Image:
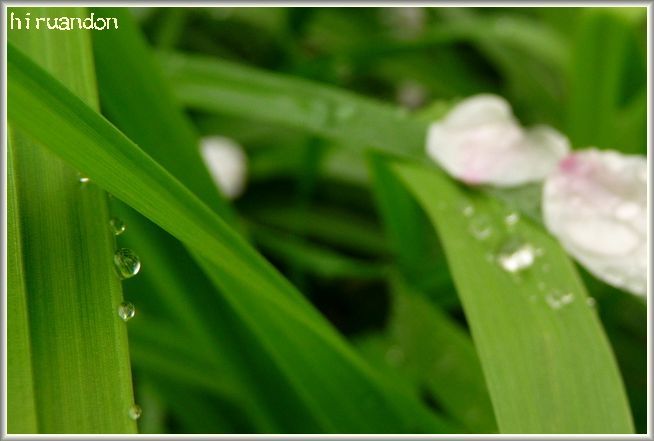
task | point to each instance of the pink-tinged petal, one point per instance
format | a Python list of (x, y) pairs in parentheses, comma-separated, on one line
[(227, 164), (595, 203), (480, 142)]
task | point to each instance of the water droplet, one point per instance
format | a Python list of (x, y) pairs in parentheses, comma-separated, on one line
[(511, 219), (467, 210), (395, 356), (135, 412), (591, 302), (117, 226), (83, 179), (126, 311), (559, 299), (480, 227), (127, 263), (516, 256)]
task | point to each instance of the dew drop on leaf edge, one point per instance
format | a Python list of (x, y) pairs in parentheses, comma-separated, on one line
[(127, 263), (117, 226), (126, 311), (135, 412)]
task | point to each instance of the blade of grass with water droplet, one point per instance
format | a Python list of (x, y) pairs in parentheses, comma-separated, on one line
[(220, 86), (230, 331), (437, 350), (179, 295), (259, 296), (548, 370), (200, 79), (79, 352)]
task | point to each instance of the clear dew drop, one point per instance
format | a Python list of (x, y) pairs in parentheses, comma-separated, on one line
[(591, 302), (511, 219), (117, 226), (480, 227), (126, 311), (135, 412), (559, 299), (516, 256), (467, 210), (127, 263), (83, 179)]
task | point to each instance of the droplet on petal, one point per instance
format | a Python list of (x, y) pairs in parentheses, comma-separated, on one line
[(227, 164), (480, 142), (595, 203)]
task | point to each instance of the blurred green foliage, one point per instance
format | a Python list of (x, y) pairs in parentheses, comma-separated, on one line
[(212, 354), (581, 70)]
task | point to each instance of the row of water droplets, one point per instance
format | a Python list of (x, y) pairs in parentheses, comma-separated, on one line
[(330, 113), (126, 265), (515, 255)]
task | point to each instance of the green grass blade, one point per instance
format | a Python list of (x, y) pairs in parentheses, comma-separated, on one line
[(150, 117), (79, 344), (313, 258), (261, 297), (221, 86), (335, 227), (436, 350), (21, 407), (183, 302), (439, 353), (131, 112), (599, 78), (548, 370)]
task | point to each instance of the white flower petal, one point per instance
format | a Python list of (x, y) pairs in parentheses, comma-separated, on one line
[(480, 142), (227, 164), (595, 203)]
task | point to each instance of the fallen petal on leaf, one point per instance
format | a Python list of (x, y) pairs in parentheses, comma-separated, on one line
[(595, 203), (480, 142)]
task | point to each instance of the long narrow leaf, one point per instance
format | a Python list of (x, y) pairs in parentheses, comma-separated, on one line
[(21, 409), (78, 342), (547, 362), (273, 309)]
